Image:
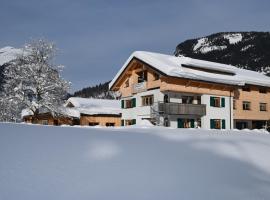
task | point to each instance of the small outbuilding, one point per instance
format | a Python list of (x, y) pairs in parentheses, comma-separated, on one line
[(94, 112), (79, 111)]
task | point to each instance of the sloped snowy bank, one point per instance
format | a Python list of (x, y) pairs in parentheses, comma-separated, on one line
[(39, 162)]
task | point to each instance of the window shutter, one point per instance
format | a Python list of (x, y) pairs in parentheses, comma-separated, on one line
[(133, 121), (133, 102), (122, 122), (122, 104), (212, 123), (223, 102), (212, 101), (223, 124), (192, 125), (180, 123)]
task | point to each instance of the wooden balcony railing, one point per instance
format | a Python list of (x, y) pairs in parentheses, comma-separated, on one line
[(181, 109)]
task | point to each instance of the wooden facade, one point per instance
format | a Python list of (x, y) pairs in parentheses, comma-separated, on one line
[(85, 120), (48, 119), (100, 120), (166, 83)]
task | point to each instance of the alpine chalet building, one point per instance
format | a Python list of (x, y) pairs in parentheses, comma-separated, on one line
[(182, 92)]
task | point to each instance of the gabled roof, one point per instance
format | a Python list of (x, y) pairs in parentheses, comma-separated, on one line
[(91, 106), (185, 67)]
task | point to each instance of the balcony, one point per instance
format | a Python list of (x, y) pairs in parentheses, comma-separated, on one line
[(139, 87), (182, 109)]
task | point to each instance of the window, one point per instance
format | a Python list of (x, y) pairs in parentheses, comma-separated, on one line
[(130, 103), (142, 76), (127, 83), (129, 122), (147, 100), (187, 99), (217, 101), (44, 122), (246, 105), (185, 123), (217, 123), (93, 124), (263, 107), (156, 76), (263, 90), (246, 89), (166, 98), (110, 124)]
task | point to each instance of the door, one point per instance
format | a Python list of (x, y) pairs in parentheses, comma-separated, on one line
[(180, 123)]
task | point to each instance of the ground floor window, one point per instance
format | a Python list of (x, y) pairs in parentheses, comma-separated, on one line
[(44, 122), (110, 124), (93, 123), (129, 122), (55, 122), (185, 123), (241, 125), (217, 124)]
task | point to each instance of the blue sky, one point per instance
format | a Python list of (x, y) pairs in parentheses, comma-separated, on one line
[(95, 37)]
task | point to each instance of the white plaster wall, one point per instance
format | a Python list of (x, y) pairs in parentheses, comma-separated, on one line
[(216, 112), (140, 111)]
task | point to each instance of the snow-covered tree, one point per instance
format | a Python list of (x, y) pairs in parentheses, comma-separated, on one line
[(33, 81)]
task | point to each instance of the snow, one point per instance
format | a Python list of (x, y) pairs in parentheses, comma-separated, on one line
[(95, 106), (207, 49), (233, 38), (85, 106), (204, 46), (8, 54), (247, 47), (45, 162), (200, 43), (173, 66)]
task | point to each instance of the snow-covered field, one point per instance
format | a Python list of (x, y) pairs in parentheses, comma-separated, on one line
[(63, 163)]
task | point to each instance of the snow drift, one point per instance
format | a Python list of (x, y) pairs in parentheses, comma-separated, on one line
[(40, 162)]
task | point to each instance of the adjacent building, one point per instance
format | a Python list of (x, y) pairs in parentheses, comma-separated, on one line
[(80, 111), (182, 92)]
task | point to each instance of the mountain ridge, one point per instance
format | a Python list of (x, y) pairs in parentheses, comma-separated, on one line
[(248, 50)]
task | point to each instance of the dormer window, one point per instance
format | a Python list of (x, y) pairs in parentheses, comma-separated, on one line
[(142, 76)]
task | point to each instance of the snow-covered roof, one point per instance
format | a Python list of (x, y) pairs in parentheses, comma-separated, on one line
[(178, 67), (84, 106), (8, 54), (70, 112), (95, 106)]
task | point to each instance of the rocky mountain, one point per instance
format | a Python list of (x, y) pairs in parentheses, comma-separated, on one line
[(100, 91), (249, 50)]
